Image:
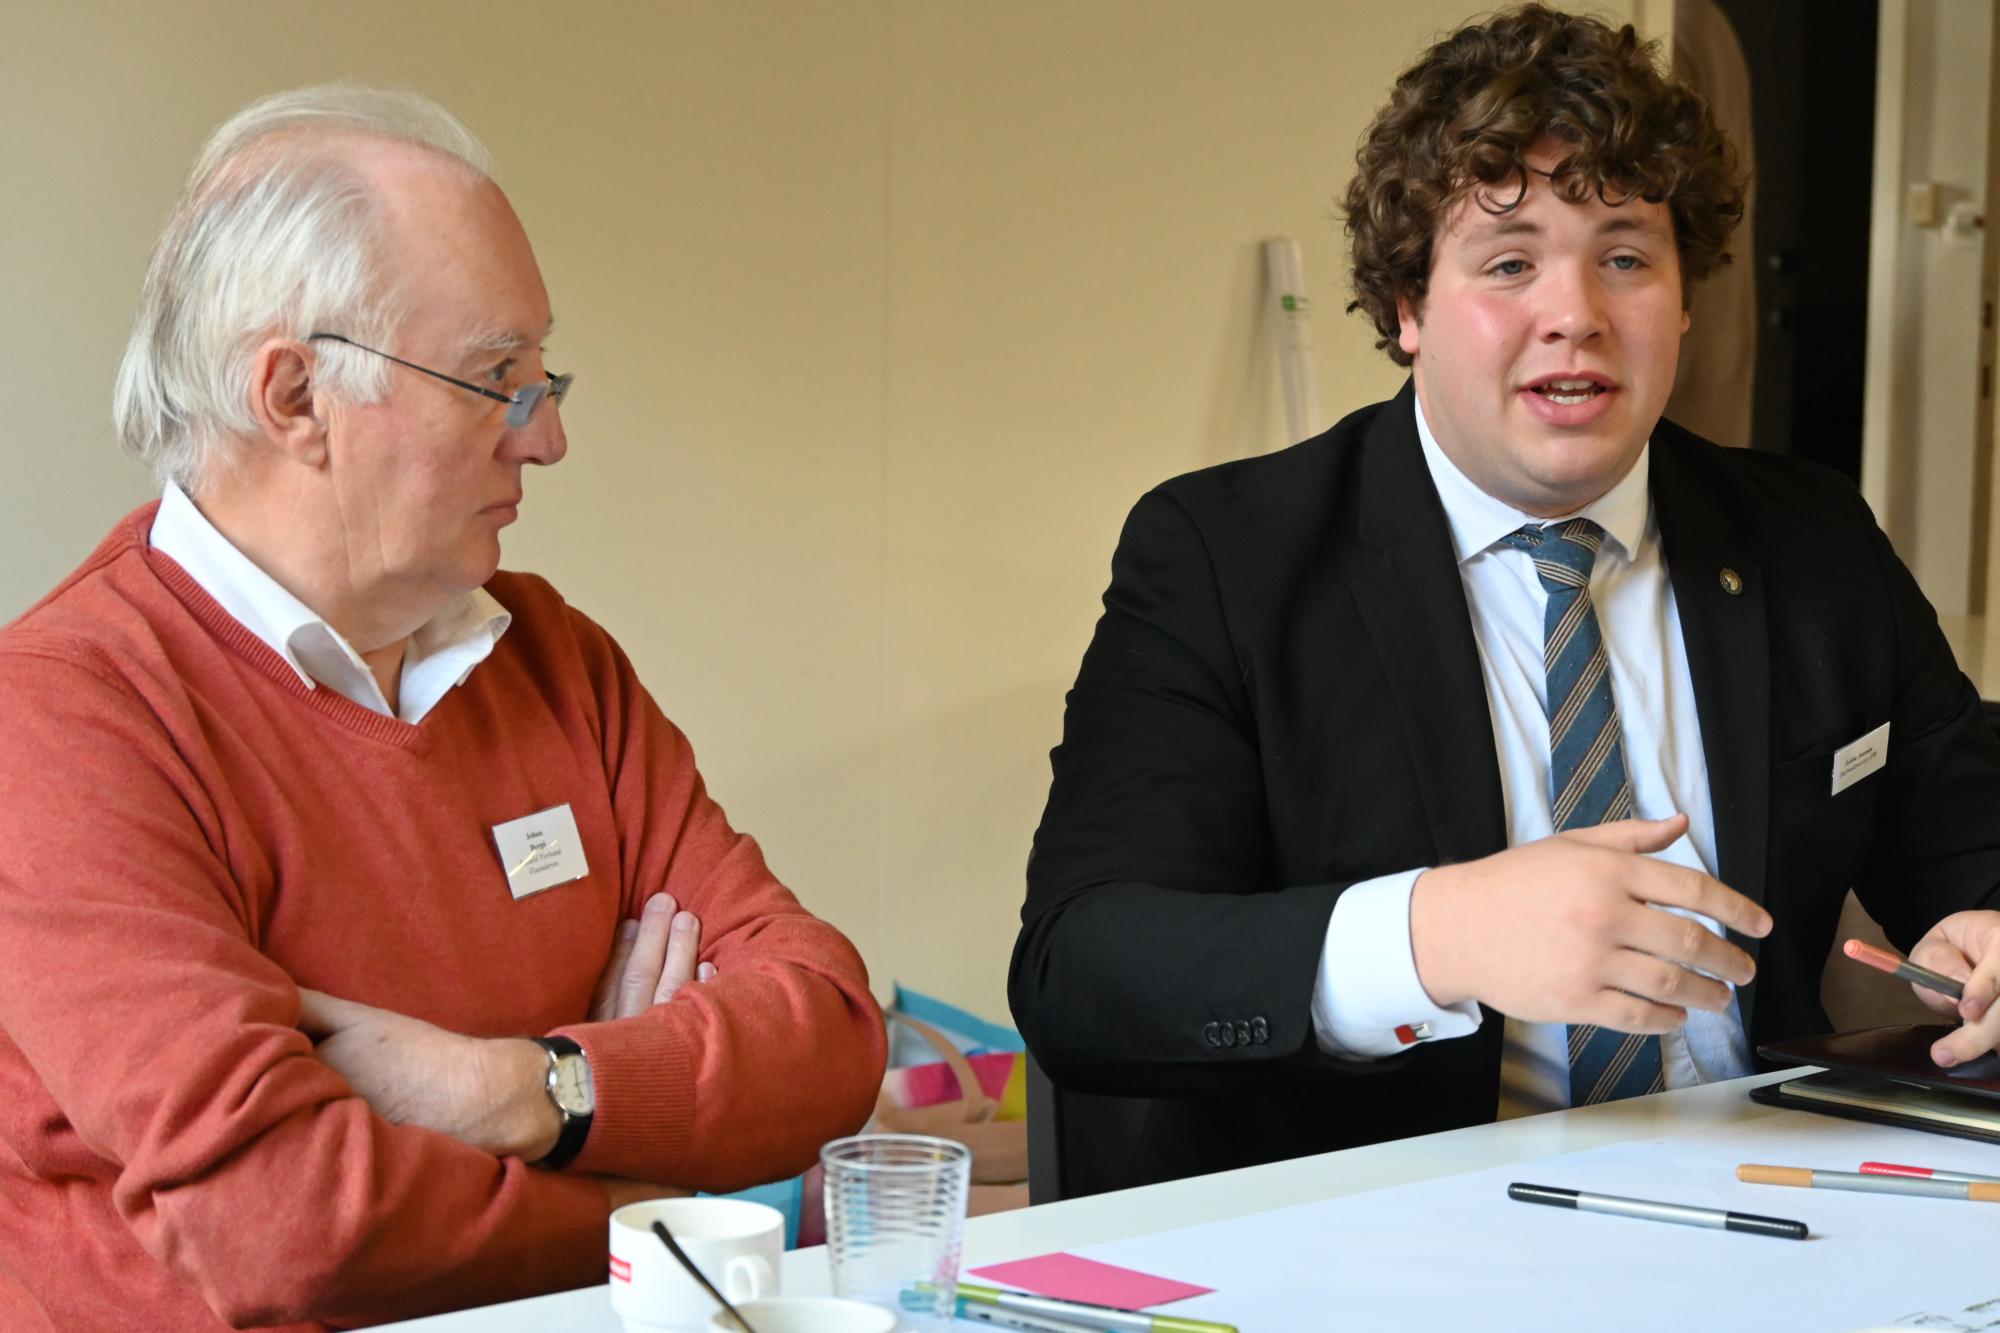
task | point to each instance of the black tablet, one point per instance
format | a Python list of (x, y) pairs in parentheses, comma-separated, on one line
[(1885, 1075)]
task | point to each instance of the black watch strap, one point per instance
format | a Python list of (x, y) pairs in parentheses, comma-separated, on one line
[(575, 1128)]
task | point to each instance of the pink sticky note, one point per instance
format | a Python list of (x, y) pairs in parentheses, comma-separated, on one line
[(1073, 1278)]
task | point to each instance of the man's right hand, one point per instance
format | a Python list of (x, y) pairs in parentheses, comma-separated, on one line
[(654, 957), (1569, 930)]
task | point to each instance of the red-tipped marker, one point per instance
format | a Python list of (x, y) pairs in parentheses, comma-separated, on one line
[(1922, 1172), (1883, 960)]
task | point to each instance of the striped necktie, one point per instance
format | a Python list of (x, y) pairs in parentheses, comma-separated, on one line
[(1587, 782)]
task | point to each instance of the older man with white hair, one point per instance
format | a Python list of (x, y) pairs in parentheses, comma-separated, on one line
[(353, 889)]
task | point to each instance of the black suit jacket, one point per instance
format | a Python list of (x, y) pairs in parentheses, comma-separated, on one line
[(1284, 698)]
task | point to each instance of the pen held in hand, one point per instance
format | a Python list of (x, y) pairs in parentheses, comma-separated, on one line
[(1928, 1188), (1648, 1210), (1883, 960)]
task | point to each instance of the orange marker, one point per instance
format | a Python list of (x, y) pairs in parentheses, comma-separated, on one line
[(1883, 960), (1807, 1178)]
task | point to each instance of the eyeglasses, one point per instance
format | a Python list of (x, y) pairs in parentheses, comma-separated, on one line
[(521, 403)]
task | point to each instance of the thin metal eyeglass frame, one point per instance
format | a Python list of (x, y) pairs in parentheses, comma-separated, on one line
[(521, 404)]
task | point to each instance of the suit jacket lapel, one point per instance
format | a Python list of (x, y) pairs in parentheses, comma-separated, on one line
[(1729, 662), (1413, 602)]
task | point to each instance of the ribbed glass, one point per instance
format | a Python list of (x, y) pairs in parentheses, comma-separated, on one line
[(895, 1220)]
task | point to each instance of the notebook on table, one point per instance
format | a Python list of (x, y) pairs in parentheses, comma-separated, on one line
[(1886, 1075)]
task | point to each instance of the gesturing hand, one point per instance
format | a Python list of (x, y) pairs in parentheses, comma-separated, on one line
[(1965, 946), (654, 957), (1569, 930)]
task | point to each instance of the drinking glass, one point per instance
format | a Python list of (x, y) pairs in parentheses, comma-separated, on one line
[(895, 1220)]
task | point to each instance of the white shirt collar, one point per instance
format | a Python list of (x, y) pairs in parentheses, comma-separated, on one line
[(1477, 520), (440, 655)]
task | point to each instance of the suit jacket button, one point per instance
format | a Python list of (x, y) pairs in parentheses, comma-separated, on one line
[(1227, 1033), (1260, 1031), (1211, 1036), (1242, 1033)]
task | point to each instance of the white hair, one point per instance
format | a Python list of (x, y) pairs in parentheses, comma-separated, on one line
[(275, 232)]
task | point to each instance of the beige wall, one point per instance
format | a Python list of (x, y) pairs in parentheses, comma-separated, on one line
[(1922, 425), (883, 313), (1926, 453)]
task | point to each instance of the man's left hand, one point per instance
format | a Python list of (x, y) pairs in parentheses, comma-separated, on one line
[(486, 1093), (1965, 946)]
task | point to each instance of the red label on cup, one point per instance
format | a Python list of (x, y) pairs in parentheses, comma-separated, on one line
[(621, 1269)]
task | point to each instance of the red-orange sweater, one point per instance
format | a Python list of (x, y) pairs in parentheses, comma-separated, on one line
[(188, 834)]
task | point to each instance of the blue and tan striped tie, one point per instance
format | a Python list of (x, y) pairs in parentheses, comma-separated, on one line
[(1587, 780)]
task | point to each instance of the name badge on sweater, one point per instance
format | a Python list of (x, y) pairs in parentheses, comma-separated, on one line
[(540, 851), (1851, 763)]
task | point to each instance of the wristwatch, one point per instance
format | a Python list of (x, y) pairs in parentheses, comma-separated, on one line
[(572, 1094)]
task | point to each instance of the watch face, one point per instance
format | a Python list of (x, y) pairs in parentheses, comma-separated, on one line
[(571, 1085)]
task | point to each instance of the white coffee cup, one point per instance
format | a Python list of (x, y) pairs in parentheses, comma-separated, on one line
[(808, 1314), (736, 1244)]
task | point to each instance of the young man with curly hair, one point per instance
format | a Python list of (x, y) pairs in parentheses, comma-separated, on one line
[(1505, 748)]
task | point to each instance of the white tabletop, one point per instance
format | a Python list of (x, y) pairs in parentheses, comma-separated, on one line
[(1106, 1217)]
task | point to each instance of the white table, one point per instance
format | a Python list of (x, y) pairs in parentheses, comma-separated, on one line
[(1106, 1217)]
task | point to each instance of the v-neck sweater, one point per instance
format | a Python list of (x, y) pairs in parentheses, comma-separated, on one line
[(188, 835)]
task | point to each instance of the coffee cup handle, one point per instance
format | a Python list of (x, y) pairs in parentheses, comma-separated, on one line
[(748, 1277)]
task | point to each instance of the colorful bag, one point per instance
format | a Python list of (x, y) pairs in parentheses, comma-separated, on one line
[(952, 1075), (966, 1090)]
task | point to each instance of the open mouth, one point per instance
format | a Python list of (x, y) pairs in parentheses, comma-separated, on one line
[(1569, 392)]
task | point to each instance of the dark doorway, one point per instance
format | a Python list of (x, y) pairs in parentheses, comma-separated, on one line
[(1812, 88)]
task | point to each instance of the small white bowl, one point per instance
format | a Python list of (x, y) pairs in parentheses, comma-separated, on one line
[(808, 1314)]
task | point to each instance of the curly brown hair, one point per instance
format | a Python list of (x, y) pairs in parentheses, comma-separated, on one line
[(1463, 119)]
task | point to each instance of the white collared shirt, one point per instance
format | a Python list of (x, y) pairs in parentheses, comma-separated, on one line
[(436, 659), (1367, 984)]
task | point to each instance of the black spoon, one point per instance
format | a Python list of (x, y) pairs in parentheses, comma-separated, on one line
[(674, 1248)]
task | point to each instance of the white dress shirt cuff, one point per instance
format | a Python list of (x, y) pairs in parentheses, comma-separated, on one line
[(1368, 1002)]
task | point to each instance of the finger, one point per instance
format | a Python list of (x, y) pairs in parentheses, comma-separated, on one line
[(1679, 886), (1940, 952), (1621, 1012), (1686, 943), (706, 972), (604, 1004), (1941, 955), (1971, 953), (1664, 984), (649, 955), (1968, 1042), (683, 954), (1631, 835), (1942, 1005), (1980, 989)]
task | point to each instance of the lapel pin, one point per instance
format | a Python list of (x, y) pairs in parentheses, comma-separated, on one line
[(1732, 582)]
